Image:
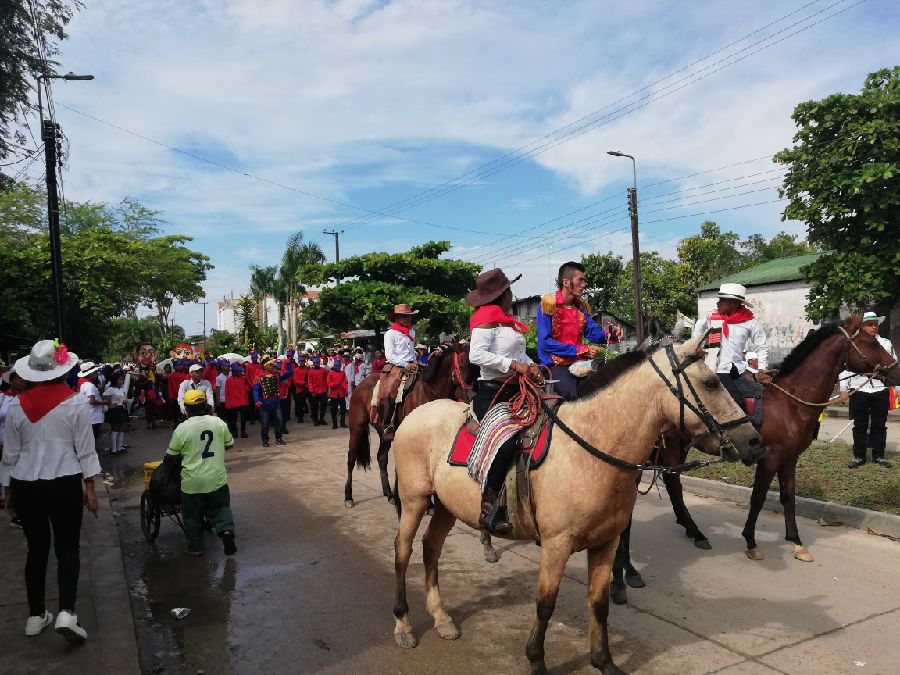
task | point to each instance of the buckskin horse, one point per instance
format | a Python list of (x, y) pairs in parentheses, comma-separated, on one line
[(791, 408), (583, 492), (447, 374)]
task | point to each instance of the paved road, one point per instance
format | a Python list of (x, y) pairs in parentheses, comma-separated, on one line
[(311, 588)]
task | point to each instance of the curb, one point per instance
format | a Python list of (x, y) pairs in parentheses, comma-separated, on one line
[(848, 516), (112, 606)]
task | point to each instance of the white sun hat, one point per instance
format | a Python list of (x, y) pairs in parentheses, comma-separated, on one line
[(88, 367), (47, 361), (734, 292), (871, 316)]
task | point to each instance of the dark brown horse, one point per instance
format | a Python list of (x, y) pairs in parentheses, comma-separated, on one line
[(448, 375), (790, 413)]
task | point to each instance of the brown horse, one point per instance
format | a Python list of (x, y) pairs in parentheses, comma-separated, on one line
[(447, 375), (791, 409), (579, 502)]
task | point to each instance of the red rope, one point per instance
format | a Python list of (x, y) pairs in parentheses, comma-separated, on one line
[(525, 405)]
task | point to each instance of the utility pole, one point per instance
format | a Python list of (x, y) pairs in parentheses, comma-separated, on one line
[(204, 321), (635, 247), (50, 136), (337, 243)]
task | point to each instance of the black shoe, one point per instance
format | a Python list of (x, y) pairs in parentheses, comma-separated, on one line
[(344, 425), (280, 441), (228, 542), (883, 462), (855, 463), (490, 519), (285, 431), (334, 425), (244, 436), (265, 444)]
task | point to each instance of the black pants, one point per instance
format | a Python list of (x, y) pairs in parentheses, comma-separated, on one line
[(300, 408), (729, 381), (317, 403), (869, 412), (252, 412), (338, 404), (42, 505), (285, 410), (567, 387), (231, 418), (486, 392)]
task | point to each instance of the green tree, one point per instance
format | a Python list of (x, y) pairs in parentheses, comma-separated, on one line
[(603, 273), (370, 285), (757, 250), (843, 181), (171, 273), (263, 282), (711, 254), (31, 32), (222, 342), (248, 330), (297, 254)]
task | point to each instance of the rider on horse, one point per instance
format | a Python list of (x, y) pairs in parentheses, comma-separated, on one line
[(498, 347), (733, 329), (400, 352)]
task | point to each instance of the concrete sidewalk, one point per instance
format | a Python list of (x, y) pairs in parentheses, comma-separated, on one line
[(103, 607)]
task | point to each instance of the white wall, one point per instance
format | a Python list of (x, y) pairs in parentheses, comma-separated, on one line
[(782, 310), (225, 319)]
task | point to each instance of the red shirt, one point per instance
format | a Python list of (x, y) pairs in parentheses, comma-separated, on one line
[(175, 380), (337, 383), (378, 365), (300, 377), (236, 390), (316, 380), (210, 373), (254, 370)]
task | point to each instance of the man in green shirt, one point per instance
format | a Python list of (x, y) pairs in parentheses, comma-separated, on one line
[(201, 442)]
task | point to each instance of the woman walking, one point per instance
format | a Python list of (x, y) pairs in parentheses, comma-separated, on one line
[(117, 415), (48, 452)]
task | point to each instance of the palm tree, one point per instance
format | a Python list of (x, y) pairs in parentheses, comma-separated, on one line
[(296, 254), (262, 284)]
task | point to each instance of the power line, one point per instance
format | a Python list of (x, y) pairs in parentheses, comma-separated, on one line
[(516, 156)]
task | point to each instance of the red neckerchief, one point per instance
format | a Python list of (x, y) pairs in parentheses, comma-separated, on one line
[(740, 316), (493, 314), (402, 329), (41, 399)]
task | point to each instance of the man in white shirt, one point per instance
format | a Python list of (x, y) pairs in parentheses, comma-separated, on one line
[(400, 352), (868, 405), (89, 372), (733, 328), (196, 381)]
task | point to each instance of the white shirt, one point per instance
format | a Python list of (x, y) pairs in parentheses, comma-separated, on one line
[(87, 390), (187, 385), (494, 349), (221, 379), (738, 341), (116, 396), (399, 349), (351, 377), (5, 400), (861, 382), (361, 373), (61, 443)]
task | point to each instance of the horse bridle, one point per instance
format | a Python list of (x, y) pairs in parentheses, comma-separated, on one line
[(457, 378), (877, 369), (714, 427)]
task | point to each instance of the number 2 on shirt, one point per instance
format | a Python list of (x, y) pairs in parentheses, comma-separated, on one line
[(207, 435)]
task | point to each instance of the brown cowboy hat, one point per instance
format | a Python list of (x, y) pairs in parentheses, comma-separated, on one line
[(489, 286), (402, 310)]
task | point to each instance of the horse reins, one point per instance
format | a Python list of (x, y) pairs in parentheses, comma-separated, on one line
[(457, 376)]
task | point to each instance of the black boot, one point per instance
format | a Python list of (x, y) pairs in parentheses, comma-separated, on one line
[(490, 519)]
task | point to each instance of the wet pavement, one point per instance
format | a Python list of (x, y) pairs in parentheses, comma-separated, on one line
[(311, 587)]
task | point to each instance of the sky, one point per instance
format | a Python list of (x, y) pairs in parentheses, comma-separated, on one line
[(482, 123)]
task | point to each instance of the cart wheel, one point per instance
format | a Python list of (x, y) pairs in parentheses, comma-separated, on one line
[(149, 517)]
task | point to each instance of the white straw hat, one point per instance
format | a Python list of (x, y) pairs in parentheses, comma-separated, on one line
[(47, 361), (871, 316)]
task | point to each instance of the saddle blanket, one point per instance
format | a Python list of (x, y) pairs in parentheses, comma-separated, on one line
[(465, 441)]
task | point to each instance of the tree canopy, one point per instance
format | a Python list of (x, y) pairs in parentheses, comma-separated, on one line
[(368, 286), (843, 181), (114, 261)]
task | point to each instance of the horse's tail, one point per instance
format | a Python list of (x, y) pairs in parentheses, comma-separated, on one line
[(397, 504), (359, 451)]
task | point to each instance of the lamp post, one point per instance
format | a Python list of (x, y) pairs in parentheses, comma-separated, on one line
[(50, 135), (635, 246)]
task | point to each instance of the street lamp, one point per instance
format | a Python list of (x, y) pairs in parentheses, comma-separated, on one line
[(635, 246), (49, 135)]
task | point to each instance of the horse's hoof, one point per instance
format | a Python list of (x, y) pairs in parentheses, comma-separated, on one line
[(406, 640), (490, 556), (538, 668), (391, 499), (429, 511), (634, 580), (618, 593), (448, 631), (606, 666), (802, 554), (703, 543), (349, 503), (755, 554)]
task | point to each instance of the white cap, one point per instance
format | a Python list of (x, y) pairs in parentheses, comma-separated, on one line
[(751, 355), (195, 367)]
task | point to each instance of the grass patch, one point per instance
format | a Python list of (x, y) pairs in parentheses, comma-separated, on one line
[(822, 474)]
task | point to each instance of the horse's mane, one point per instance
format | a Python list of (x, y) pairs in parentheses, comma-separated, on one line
[(811, 343), (606, 375), (434, 364)]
